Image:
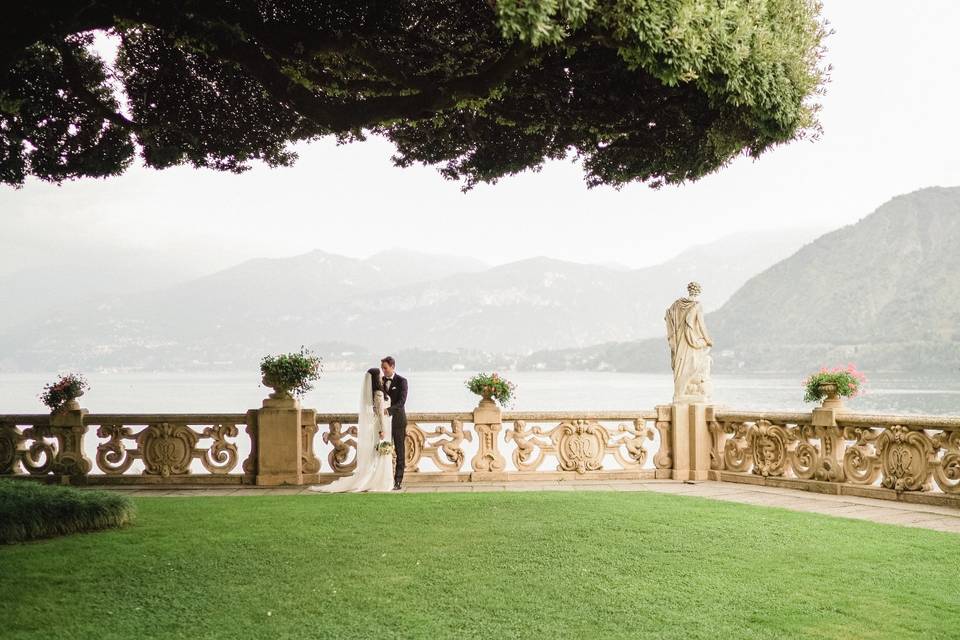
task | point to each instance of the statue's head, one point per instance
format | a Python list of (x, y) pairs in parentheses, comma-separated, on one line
[(693, 289)]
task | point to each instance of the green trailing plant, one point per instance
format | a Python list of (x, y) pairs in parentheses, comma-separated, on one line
[(500, 389), (292, 373), (29, 510), (849, 383), (68, 387)]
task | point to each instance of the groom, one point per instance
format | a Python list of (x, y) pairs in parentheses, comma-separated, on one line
[(395, 388)]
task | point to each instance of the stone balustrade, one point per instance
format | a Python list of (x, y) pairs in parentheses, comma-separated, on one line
[(268, 446), (913, 458)]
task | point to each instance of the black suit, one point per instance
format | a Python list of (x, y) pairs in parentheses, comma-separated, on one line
[(398, 425)]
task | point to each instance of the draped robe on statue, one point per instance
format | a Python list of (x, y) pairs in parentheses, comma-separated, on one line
[(689, 351)]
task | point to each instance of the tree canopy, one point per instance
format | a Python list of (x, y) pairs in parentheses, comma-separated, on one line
[(658, 91)]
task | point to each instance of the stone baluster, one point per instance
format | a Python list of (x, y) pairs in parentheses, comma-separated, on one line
[(67, 426), (489, 463)]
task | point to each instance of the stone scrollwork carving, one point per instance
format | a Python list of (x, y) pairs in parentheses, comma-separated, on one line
[(947, 470), (250, 464), (413, 447), (580, 445), (488, 458), (443, 445), (627, 444), (829, 466), (112, 457), (338, 438), (9, 438), (718, 441), (40, 456), (166, 448), (860, 462), (737, 452), (529, 446), (221, 456), (770, 444), (905, 459), (308, 429)]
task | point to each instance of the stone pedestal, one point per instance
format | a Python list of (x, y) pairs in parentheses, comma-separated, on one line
[(68, 428), (279, 443), (489, 464), (691, 442), (824, 417)]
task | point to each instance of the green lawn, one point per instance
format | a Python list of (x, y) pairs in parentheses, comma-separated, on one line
[(483, 565)]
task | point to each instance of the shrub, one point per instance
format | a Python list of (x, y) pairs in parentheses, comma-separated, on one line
[(29, 510), (498, 388), (291, 372), (849, 383)]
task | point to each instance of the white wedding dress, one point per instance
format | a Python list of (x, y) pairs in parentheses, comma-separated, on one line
[(373, 472)]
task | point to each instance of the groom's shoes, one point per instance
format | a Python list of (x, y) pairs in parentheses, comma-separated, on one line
[(396, 486)]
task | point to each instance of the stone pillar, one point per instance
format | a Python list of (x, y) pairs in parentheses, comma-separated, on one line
[(279, 442), (489, 463), (67, 426), (691, 442)]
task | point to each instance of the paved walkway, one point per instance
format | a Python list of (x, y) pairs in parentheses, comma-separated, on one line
[(885, 511)]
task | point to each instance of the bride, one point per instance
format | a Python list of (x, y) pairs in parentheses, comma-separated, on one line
[(374, 472)]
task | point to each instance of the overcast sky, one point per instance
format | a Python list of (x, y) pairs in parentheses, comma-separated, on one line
[(890, 126)]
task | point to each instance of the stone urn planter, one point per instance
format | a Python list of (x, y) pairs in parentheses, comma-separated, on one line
[(70, 405), (831, 399), (61, 396), (486, 394), (279, 392)]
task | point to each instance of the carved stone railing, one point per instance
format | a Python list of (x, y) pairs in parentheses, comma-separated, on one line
[(541, 445), (129, 448), (484, 444), (912, 458)]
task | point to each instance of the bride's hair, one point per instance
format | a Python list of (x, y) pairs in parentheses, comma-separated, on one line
[(374, 374)]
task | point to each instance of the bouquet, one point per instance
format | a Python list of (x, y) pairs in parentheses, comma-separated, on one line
[(384, 448)]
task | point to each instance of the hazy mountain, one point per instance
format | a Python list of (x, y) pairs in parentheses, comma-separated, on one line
[(390, 302), (34, 293), (883, 293)]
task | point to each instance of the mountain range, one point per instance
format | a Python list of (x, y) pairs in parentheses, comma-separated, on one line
[(883, 293), (435, 307)]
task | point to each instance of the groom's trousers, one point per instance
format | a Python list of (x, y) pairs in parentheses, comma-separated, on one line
[(399, 432)]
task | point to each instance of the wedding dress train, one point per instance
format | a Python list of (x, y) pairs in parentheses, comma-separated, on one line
[(373, 472)]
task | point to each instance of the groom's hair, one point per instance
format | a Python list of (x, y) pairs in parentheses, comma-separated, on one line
[(390, 361)]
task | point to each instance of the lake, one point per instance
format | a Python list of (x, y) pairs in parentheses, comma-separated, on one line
[(444, 391)]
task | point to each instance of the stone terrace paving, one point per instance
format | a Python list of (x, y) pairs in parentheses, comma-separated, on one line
[(934, 517)]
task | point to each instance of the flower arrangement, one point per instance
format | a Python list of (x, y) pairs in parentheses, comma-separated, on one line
[(843, 382), (68, 387), (291, 373), (384, 448), (492, 386)]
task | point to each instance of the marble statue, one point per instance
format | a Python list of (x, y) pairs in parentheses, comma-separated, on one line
[(689, 348)]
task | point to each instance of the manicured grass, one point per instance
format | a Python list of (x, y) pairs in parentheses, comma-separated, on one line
[(482, 565), (29, 510)]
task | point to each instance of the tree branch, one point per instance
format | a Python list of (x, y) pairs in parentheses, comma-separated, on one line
[(74, 77), (345, 116)]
